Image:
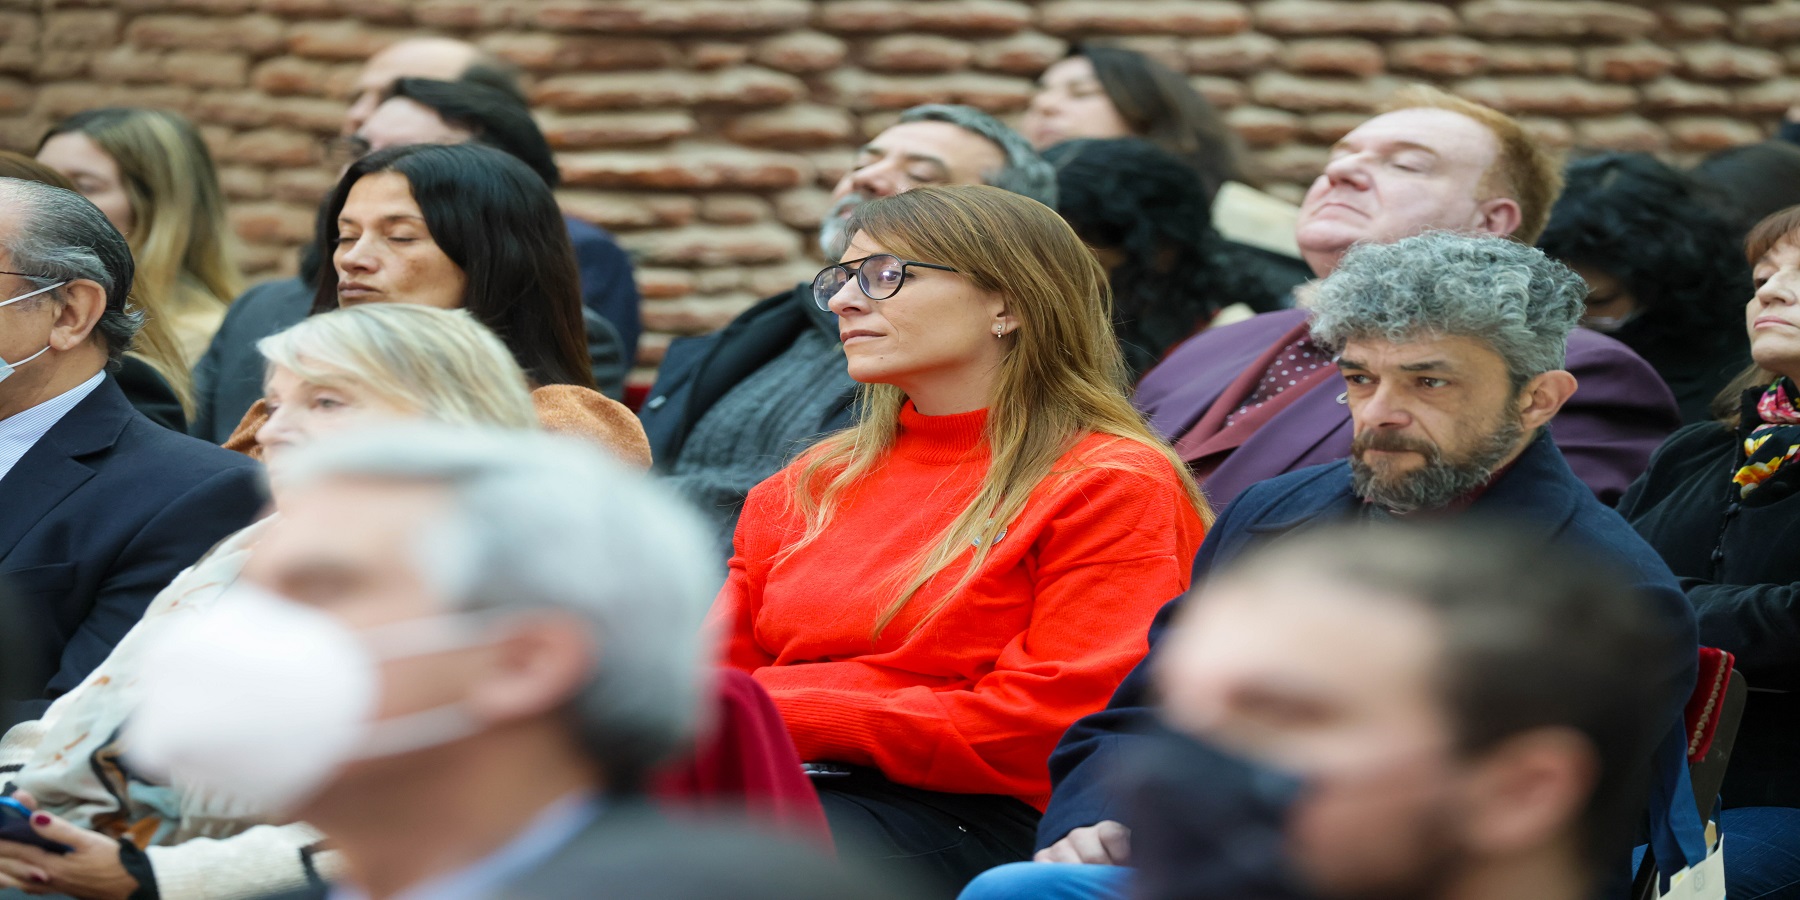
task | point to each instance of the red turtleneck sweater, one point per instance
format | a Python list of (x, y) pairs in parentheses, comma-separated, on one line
[(973, 701)]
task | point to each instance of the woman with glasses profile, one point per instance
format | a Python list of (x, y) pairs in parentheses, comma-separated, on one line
[(934, 594)]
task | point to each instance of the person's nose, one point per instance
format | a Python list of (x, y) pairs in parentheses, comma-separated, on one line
[(877, 179), (278, 427), (1382, 408), (358, 258), (1348, 169), (1782, 289), (1045, 101), (850, 299)]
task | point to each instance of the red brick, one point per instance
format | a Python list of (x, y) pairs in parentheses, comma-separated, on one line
[(803, 207), (1674, 95), (81, 30), (652, 347), (1027, 53), (1707, 133), (556, 53), (893, 16), (59, 65), (1442, 57), (627, 211), (259, 259), (593, 131), (273, 147), (1793, 59), (1628, 133), (616, 91), (305, 186), (1162, 48), (1295, 162), (241, 183), (379, 12), (734, 209), (795, 126), (709, 55), (1558, 18), (258, 34), (1222, 93), (206, 69), (1384, 17), (17, 57), (688, 168), (172, 97), (240, 109), (1260, 126), (1333, 56), (272, 223), (1556, 134), (1694, 20), (18, 26), (1327, 128), (1531, 59), (800, 52), (338, 40), (916, 53), (991, 93), (1629, 63), (21, 133), (707, 245), (1312, 94), (127, 64), (664, 284), (287, 75), (1719, 61), (862, 92), (1767, 99), (665, 17), (301, 9), (15, 97), (463, 14), (719, 281), (66, 98), (320, 115), (1195, 17), (1233, 55), (767, 281), (1770, 23), (1553, 96), (830, 164), (750, 87), (694, 315)]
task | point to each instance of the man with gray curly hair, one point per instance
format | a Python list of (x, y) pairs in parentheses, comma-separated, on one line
[(1451, 348)]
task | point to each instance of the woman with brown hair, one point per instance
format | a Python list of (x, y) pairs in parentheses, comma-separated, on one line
[(933, 595), (1719, 505)]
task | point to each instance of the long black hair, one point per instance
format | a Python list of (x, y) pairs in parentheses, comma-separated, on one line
[(1134, 198), (1662, 234), (1162, 108), (497, 221)]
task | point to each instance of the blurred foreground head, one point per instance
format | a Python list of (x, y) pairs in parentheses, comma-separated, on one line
[(1463, 707)]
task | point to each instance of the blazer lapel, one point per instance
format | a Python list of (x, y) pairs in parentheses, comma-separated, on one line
[(51, 470), (1281, 444)]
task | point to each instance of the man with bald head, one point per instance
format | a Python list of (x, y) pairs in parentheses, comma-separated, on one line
[(1249, 401), (439, 58)]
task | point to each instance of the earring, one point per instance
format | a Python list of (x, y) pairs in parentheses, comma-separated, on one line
[(999, 331)]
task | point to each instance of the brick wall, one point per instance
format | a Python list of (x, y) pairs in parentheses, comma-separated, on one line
[(706, 133)]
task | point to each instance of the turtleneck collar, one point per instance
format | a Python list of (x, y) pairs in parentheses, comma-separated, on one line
[(941, 440)]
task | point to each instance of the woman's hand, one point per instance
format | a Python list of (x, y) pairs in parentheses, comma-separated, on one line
[(90, 871)]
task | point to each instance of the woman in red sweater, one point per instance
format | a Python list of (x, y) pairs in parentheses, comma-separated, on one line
[(933, 595)]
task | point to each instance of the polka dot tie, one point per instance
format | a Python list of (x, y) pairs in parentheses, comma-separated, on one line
[(1290, 365)]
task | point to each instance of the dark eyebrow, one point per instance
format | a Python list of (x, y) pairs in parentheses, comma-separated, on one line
[(1351, 364), (1430, 365), (1395, 146), (396, 217)]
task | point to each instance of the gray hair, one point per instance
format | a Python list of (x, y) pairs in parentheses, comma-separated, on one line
[(545, 522), (55, 235), (1024, 172), (1505, 294)]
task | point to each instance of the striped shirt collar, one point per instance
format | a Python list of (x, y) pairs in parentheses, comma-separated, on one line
[(21, 431)]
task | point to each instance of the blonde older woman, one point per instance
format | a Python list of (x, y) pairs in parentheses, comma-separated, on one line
[(330, 373)]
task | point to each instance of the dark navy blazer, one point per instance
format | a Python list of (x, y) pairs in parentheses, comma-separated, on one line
[(1538, 494), (99, 516)]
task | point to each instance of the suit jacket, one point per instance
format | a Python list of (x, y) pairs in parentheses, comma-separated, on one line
[(1618, 416), (101, 514), (1539, 493)]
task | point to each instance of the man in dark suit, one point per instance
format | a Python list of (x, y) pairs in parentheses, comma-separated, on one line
[(1254, 399), (101, 507), (1450, 353)]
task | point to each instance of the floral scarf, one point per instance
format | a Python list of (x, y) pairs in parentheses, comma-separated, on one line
[(1776, 442)]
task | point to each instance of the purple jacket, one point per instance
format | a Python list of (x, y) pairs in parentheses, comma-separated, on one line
[(1619, 415)]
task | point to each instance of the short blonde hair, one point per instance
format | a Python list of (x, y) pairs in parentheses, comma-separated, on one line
[(1524, 170), (441, 363)]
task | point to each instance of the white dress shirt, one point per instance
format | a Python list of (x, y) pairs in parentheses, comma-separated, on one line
[(21, 432)]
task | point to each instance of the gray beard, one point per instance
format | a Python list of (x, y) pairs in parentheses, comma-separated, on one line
[(833, 240), (1441, 479)]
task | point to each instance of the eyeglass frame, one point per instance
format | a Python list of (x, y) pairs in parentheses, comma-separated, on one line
[(862, 283)]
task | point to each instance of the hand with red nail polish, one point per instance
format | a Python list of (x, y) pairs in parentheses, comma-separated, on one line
[(89, 871)]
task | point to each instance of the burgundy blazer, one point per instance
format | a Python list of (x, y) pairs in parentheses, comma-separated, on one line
[(1620, 414)]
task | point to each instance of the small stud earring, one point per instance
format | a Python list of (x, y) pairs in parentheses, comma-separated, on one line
[(999, 331)]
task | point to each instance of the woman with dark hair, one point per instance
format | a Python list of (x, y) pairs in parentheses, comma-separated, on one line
[(1754, 180), (1720, 506), (465, 227), (1663, 268), (1101, 91), (1144, 215)]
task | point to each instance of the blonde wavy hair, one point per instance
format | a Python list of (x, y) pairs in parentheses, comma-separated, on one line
[(1062, 378), (442, 363), (185, 254)]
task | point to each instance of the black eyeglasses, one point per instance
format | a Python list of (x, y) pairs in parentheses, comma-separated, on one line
[(880, 277)]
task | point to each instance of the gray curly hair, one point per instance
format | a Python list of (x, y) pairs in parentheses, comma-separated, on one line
[(1506, 294)]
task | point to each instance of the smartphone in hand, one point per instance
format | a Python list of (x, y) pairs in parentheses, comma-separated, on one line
[(15, 825)]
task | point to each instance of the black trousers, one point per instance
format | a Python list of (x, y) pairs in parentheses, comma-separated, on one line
[(937, 841)]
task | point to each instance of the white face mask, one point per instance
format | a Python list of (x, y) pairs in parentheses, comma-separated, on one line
[(259, 701), (6, 368)]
